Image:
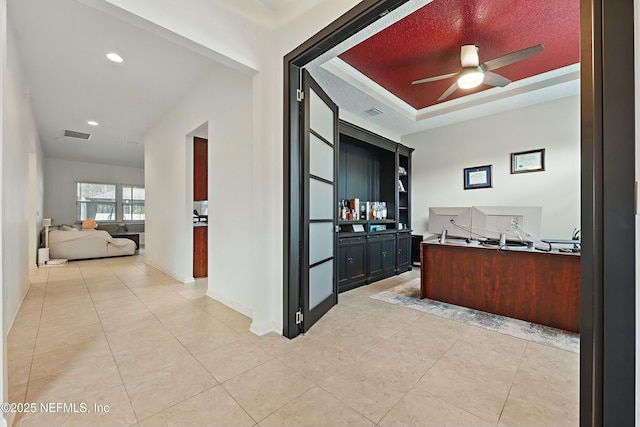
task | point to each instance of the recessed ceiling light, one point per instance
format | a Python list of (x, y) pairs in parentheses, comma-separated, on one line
[(114, 57), (92, 123)]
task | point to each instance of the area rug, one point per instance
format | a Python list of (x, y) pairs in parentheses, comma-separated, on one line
[(408, 295)]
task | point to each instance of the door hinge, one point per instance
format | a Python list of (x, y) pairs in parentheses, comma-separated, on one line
[(299, 95), (299, 317)]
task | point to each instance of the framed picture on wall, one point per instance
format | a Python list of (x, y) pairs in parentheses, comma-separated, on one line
[(527, 161), (478, 177)]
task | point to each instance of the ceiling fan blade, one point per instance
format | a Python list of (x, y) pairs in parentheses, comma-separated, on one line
[(469, 55), (433, 79), (493, 79), (449, 91), (512, 57)]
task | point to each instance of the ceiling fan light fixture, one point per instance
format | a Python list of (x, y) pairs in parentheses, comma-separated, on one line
[(470, 79)]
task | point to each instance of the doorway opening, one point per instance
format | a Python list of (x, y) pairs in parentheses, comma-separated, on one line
[(198, 199), (607, 385)]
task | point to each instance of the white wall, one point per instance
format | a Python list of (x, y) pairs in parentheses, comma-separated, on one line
[(36, 203), (4, 327), (60, 177), (223, 101), (441, 155), (20, 168), (247, 42)]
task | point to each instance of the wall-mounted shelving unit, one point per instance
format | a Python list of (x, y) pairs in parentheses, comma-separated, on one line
[(375, 169)]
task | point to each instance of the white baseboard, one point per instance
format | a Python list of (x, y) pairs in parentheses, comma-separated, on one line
[(169, 273), (231, 304), (265, 328), (15, 315)]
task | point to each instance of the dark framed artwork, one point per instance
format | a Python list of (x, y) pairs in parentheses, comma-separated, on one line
[(478, 177), (527, 161)]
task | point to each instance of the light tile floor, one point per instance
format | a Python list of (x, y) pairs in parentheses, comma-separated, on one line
[(117, 332)]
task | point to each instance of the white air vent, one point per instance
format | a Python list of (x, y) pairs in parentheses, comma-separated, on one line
[(76, 134), (373, 111)]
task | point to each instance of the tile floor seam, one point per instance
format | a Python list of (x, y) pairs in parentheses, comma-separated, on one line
[(284, 404), (347, 404), (178, 403), (240, 404), (113, 357), (254, 367), (166, 328), (35, 342), (513, 380), (396, 404)]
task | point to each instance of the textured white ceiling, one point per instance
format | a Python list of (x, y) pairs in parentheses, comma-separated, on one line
[(62, 45)]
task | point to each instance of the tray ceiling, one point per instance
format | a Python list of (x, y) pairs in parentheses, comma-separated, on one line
[(427, 43)]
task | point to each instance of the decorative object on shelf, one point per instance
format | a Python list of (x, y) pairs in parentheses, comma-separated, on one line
[(402, 171), (354, 207), (401, 186), (527, 161), (478, 177)]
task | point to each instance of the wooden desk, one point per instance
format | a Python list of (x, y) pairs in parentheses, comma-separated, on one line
[(539, 287)]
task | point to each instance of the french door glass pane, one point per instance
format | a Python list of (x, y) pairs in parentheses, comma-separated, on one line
[(320, 241), (321, 117), (320, 200), (321, 159), (320, 283)]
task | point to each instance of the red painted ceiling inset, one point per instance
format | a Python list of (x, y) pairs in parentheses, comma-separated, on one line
[(427, 43)]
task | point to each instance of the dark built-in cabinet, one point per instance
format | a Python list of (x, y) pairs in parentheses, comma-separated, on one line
[(352, 262), (372, 168), (200, 193)]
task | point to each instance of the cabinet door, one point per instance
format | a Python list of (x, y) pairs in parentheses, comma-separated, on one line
[(200, 250), (358, 260), (343, 262), (374, 256), (389, 255), (404, 252), (200, 169)]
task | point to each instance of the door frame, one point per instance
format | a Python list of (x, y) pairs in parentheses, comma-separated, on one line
[(607, 362), (608, 301), (341, 29)]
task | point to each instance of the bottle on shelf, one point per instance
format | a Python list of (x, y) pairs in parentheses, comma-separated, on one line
[(383, 210)]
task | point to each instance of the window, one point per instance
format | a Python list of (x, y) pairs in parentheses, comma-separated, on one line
[(109, 202), (96, 201), (133, 203)]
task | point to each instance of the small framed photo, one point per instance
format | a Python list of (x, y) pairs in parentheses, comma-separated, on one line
[(527, 161), (477, 177)]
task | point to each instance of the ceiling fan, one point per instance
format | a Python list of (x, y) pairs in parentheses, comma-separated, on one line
[(473, 73)]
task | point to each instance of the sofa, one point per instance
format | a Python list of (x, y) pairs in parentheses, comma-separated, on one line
[(73, 244)]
